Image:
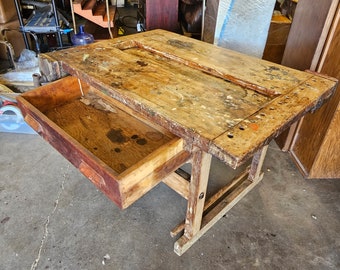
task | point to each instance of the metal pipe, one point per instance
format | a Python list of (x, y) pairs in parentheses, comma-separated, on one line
[(203, 17), (57, 26), (108, 17), (73, 18), (21, 22)]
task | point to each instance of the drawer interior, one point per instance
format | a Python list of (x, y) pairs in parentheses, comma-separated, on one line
[(106, 134)]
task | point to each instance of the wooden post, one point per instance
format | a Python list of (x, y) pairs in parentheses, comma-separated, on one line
[(197, 192), (256, 164)]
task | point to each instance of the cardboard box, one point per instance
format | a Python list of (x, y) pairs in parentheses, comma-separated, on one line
[(14, 37), (7, 10)]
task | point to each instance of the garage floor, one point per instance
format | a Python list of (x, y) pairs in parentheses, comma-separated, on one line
[(52, 217)]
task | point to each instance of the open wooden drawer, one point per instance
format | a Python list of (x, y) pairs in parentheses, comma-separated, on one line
[(118, 150)]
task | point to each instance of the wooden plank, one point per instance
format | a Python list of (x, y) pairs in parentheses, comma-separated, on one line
[(223, 192), (209, 23), (320, 130), (161, 14), (301, 44), (188, 52), (256, 164), (317, 60), (277, 38), (328, 159), (303, 47), (150, 163), (261, 127), (178, 184), (197, 192), (161, 172), (56, 93)]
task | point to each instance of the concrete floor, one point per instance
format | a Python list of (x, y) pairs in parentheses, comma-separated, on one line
[(52, 217)]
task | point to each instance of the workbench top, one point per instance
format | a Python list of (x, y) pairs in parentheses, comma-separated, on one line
[(226, 103)]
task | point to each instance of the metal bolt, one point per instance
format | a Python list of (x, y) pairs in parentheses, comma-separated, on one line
[(201, 196)]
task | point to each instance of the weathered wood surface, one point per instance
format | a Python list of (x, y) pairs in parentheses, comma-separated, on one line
[(120, 153), (226, 103)]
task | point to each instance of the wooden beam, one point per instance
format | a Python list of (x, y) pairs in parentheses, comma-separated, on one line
[(197, 191), (178, 184), (256, 164)]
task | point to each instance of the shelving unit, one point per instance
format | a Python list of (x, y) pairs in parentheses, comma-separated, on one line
[(43, 20)]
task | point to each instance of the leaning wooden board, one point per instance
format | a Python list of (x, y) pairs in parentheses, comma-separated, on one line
[(192, 99)]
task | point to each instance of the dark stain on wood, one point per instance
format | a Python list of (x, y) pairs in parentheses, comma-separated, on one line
[(180, 44), (154, 136), (116, 135), (141, 63), (122, 167), (141, 141)]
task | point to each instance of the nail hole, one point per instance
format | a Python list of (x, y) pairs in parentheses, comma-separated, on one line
[(241, 127), (230, 136)]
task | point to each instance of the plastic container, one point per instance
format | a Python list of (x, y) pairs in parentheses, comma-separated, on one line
[(11, 120), (82, 38)]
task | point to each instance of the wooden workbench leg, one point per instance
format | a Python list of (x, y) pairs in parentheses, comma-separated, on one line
[(255, 171), (201, 162), (226, 198)]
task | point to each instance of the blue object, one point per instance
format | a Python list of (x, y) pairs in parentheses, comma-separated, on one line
[(82, 38)]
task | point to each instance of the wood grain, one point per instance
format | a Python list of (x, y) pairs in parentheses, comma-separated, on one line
[(198, 91), (160, 14), (305, 43), (306, 29), (120, 153), (315, 146)]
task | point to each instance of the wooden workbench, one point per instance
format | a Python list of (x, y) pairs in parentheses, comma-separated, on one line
[(202, 100)]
